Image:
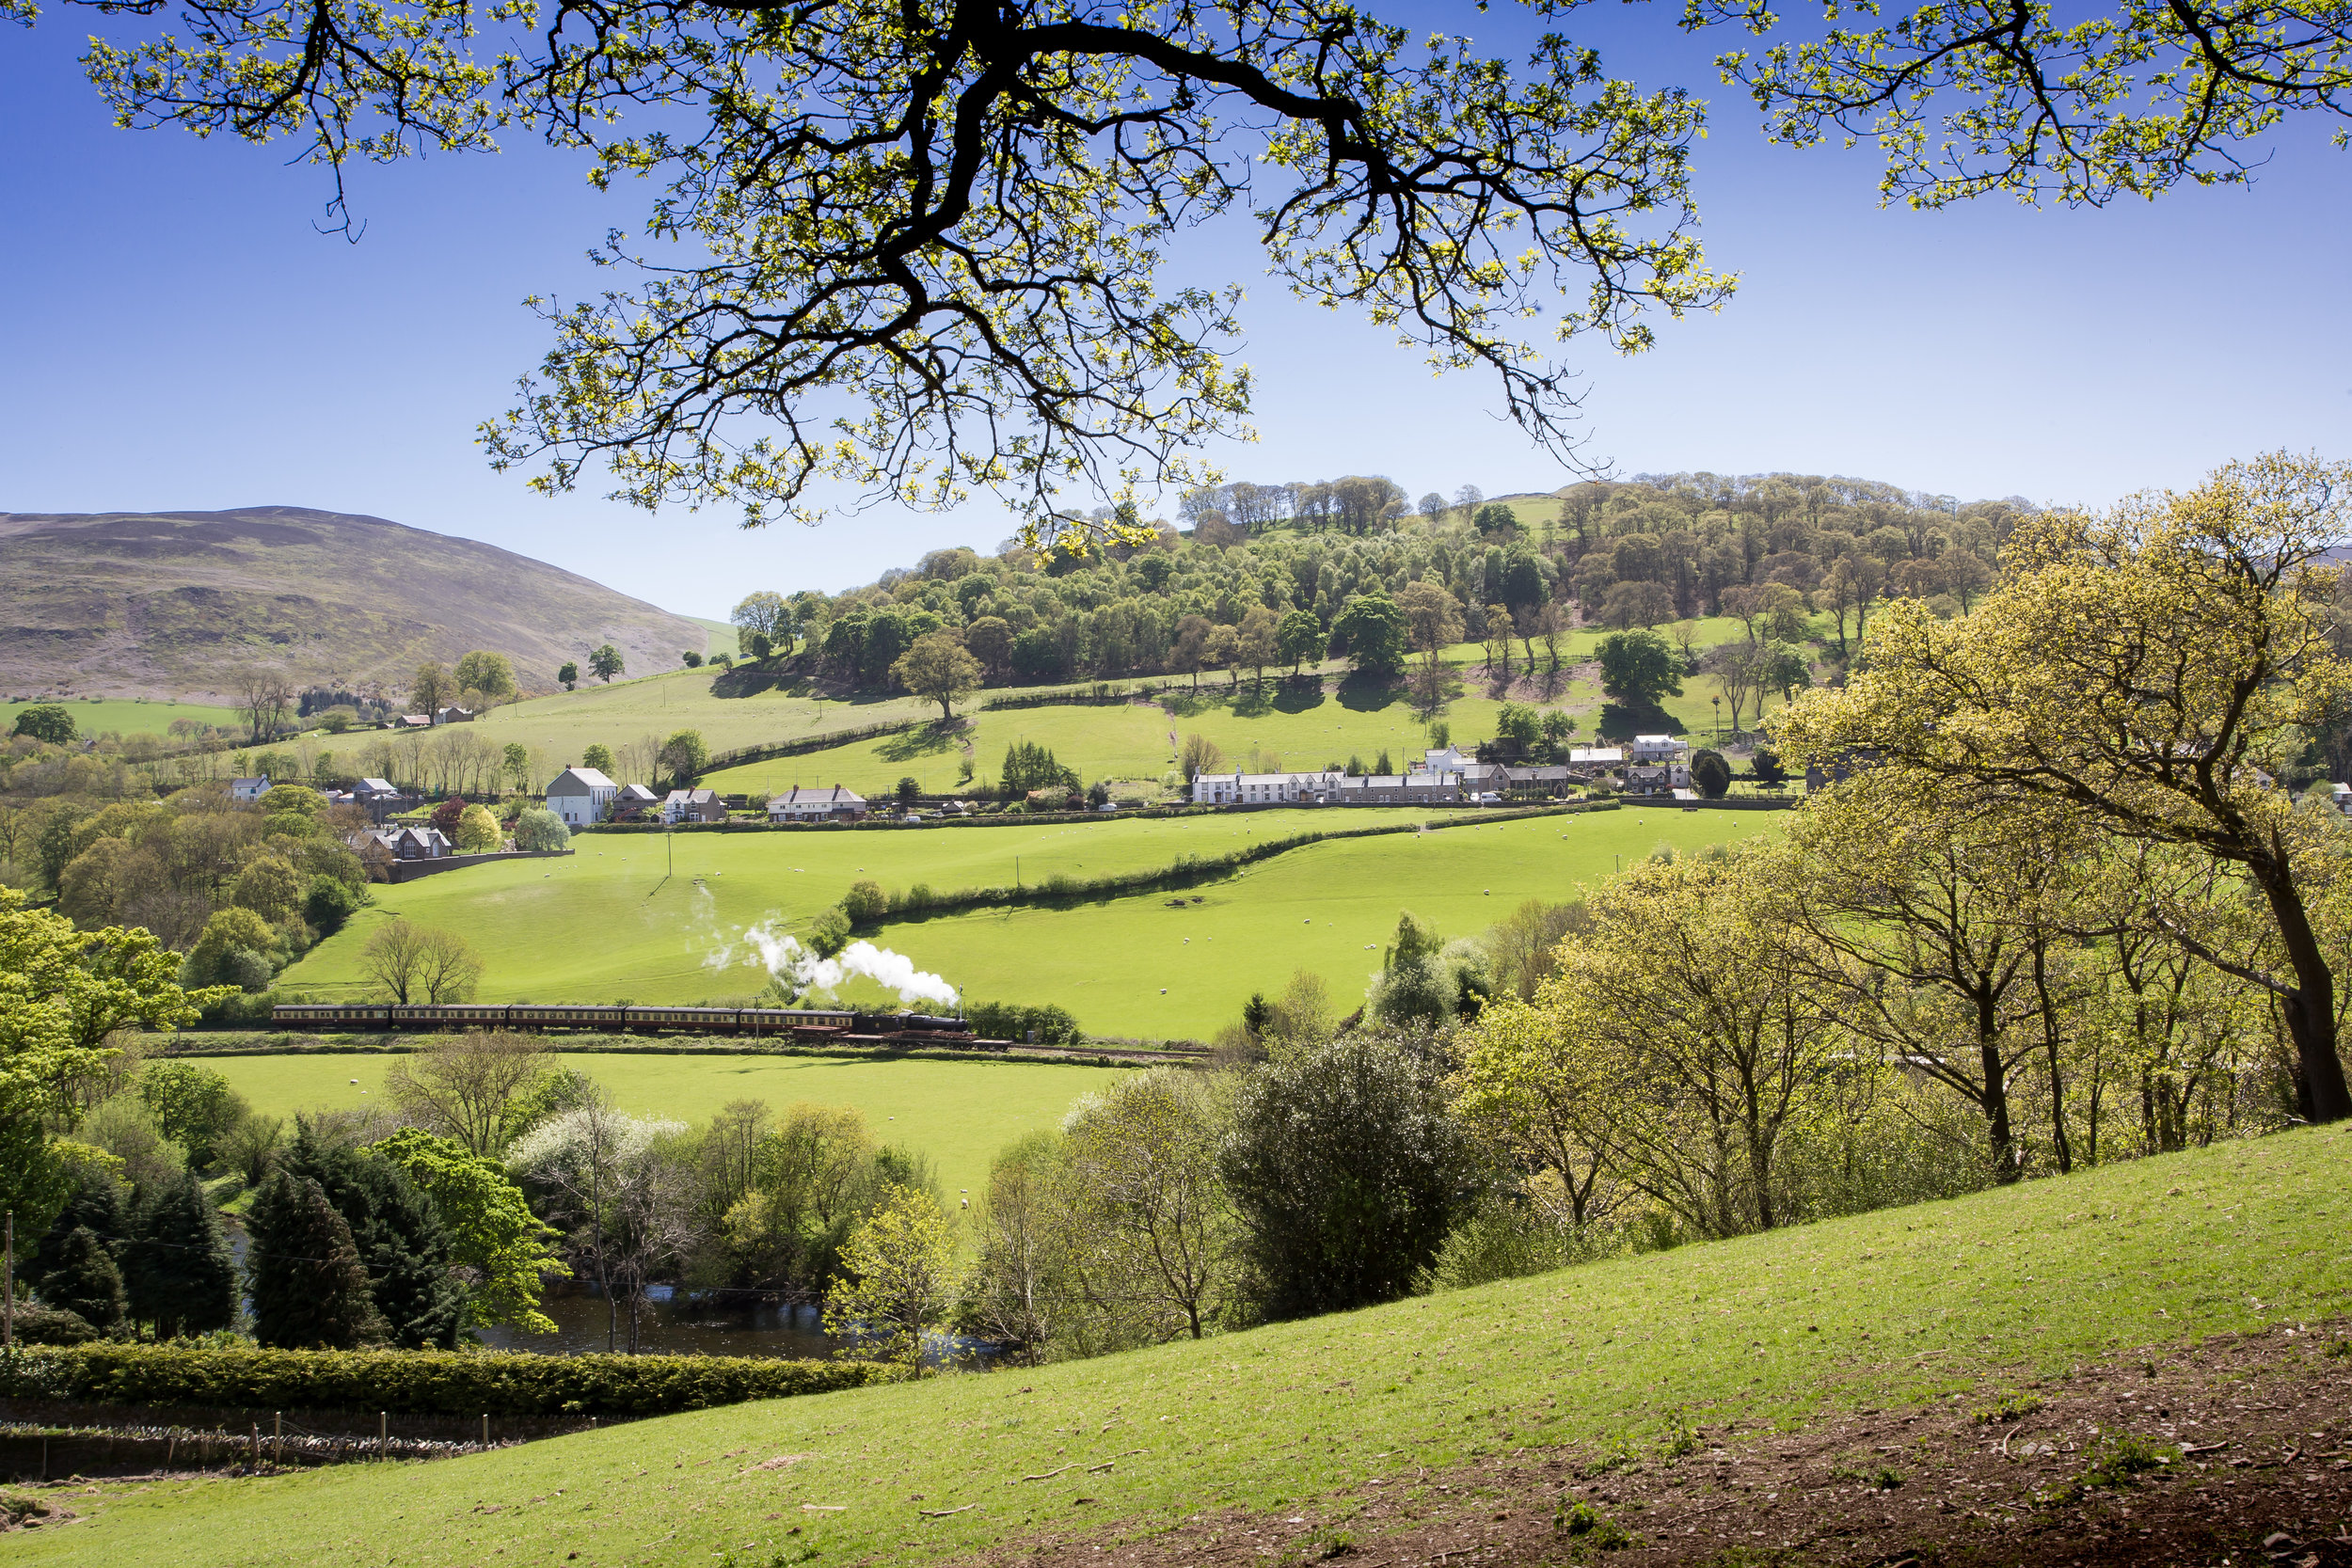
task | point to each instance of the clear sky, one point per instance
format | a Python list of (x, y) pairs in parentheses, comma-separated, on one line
[(177, 334)]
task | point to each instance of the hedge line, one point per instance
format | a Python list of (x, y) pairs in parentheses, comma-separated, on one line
[(445, 1383), (1191, 870), (801, 745)]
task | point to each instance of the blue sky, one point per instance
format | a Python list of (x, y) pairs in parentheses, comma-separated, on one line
[(179, 334)]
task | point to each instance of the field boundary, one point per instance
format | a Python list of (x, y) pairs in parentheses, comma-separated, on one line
[(1112, 1050), (917, 901)]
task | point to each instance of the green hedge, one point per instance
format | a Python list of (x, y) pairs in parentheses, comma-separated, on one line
[(445, 1383)]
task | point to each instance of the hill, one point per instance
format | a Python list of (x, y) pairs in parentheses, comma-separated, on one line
[(2044, 1372), (163, 604)]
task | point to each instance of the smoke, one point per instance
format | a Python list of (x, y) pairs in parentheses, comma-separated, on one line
[(799, 970)]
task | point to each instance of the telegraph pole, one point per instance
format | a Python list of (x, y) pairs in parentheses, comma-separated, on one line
[(7, 1285)]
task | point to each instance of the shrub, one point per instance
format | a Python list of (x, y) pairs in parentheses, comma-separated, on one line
[(329, 905), (1710, 773), (1348, 1171), (864, 903), (1010, 1021), (541, 829), (452, 1382), (830, 932)]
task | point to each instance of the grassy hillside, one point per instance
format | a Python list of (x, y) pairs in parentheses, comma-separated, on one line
[(161, 604), (1898, 1308), (612, 922), (959, 1113)]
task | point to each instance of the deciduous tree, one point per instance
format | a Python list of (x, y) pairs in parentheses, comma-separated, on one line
[(938, 669), (2152, 670)]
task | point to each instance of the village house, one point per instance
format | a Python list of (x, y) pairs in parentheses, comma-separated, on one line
[(245, 791), (1326, 789), (636, 803), (582, 795), (817, 803), (452, 715), (693, 805)]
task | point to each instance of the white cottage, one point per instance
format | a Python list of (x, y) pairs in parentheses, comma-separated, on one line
[(816, 803), (580, 796)]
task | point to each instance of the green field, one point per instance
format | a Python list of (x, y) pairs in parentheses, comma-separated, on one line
[(1329, 908), (959, 1113), (1131, 740), (1893, 1309), (128, 715), (612, 922)]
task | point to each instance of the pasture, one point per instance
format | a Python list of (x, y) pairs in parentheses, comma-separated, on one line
[(1417, 1406), (613, 922), (1137, 967), (128, 715), (959, 1113)]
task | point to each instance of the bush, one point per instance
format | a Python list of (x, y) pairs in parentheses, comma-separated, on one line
[(330, 904), (1710, 773), (864, 903), (51, 1325), (1010, 1021), (1348, 1170), (542, 830), (830, 932), (447, 1383)]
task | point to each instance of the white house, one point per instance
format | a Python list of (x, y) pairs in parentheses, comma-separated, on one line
[(1441, 759), (245, 791), (1263, 790), (580, 796), (816, 803), (1654, 749)]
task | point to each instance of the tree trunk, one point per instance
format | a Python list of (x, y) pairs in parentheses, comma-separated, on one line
[(1996, 1089), (2310, 1009), (2050, 1048)]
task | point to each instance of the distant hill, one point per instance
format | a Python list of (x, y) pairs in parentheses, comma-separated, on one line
[(164, 602)]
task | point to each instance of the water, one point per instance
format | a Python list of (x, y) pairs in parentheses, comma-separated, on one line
[(675, 1322)]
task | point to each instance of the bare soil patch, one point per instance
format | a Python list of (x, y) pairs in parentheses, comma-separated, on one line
[(2237, 1450)]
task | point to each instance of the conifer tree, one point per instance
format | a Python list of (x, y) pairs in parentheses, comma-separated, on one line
[(85, 1281), (309, 1289), (99, 1203), (399, 1239), (177, 1264)]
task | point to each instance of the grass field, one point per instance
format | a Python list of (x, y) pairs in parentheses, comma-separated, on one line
[(126, 715), (1138, 968), (959, 1113), (1898, 1308), (612, 924)]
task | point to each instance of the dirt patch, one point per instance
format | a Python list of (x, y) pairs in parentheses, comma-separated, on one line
[(2236, 1450), (27, 1509)]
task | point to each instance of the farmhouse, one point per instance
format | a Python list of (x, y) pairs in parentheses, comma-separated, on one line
[(245, 791), (416, 843), (580, 796), (693, 805), (817, 803)]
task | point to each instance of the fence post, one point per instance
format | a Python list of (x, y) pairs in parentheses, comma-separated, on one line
[(7, 1285), (383, 1435), (486, 1429), (278, 1434), (257, 1444)]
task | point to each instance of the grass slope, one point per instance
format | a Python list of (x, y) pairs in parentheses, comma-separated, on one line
[(164, 604), (610, 923), (1903, 1307), (959, 1113)]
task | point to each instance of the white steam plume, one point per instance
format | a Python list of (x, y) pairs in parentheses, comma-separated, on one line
[(783, 957)]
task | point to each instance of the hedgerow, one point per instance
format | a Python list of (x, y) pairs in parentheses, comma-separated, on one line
[(453, 1382)]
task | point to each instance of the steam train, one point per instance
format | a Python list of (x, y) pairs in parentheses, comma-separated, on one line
[(773, 1022)]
